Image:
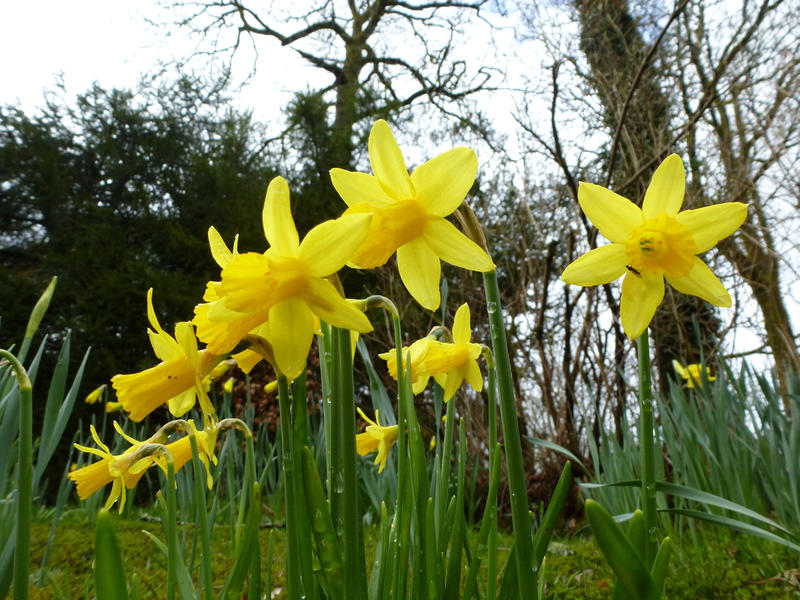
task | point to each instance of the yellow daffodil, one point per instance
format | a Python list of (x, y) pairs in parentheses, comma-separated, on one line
[(409, 213), (691, 373), (271, 387), (227, 387), (282, 289), (653, 242), (177, 380), (181, 450), (452, 364), (376, 437), (120, 470), (95, 394), (112, 407), (416, 355)]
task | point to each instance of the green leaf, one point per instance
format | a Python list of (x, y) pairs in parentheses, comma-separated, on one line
[(733, 524), (698, 496), (542, 537), (659, 570), (109, 574), (620, 553)]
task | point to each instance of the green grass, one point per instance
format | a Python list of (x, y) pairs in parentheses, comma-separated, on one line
[(722, 566)]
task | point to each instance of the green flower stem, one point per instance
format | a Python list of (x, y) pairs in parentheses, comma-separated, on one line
[(293, 582), (401, 523), (25, 478), (171, 527), (303, 533), (354, 570), (647, 450), (523, 538), (202, 517), (491, 559)]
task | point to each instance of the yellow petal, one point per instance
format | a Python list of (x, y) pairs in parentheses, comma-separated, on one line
[(359, 188), (329, 245), (443, 182), (387, 162), (324, 300), (711, 224), (461, 330), (420, 270), (291, 329), (454, 380), (666, 189), (182, 403), (184, 334), (164, 346), (247, 359), (703, 283), (151, 313), (219, 250), (276, 218), (614, 215), (474, 376), (598, 266), (640, 298), (454, 247)]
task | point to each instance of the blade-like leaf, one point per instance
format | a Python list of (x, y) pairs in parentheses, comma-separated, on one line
[(620, 553), (109, 574)]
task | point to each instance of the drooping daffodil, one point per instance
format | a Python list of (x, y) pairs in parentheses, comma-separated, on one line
[(123, 471), (408, 213), (178, 380), (452, 364), (376, 437), (692, 373), (654, 242), (413, 355), (282, 289)]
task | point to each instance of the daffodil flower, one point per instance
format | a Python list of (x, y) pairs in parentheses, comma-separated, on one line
[(376, 437), (452, 364), (177, 380), (691, 373), (282, 289), (654, 242), (119, 470), (415, 355), (409, 213)]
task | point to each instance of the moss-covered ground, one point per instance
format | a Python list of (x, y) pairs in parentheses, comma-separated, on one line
[(720, 567)]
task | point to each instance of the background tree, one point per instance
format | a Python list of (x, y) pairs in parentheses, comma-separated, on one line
[(114, 193)]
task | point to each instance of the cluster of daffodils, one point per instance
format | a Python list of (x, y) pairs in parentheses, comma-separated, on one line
[(272, 302)]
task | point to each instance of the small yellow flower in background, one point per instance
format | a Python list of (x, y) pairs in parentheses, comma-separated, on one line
[(271, 387), (409, 213), (115, 469), (177, 380), (432, 444), (112, 407), (654, 242), (95, 394), (376, 437), (452, 364), (282, 289), (691, 373), (227, 387), (416, 354)]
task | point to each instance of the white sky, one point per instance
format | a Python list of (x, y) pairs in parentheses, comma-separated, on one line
[(111, 43)]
